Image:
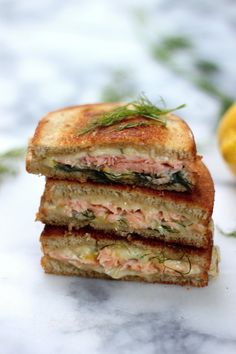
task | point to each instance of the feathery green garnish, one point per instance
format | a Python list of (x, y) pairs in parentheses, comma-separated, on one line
[(229, 234), (162, 258), (168, 46), (142, 107), (131, 125), (8, 162), (205, 73), (207, 67)]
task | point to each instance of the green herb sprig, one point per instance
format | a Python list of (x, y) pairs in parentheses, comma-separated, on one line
[(228, 234), (205, 71), (142, 107), (131, 125), (162, 258), (8, 162)]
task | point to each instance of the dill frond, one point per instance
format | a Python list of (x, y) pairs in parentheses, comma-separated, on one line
[(228, 234), (131, 125), (8, 162), (142, 107)]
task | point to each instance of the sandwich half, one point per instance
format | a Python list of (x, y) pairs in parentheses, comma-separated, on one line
[(102, 255), (181, 218), (137, 151)]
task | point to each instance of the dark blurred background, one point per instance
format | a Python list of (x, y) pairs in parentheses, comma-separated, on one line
[(57, 53)]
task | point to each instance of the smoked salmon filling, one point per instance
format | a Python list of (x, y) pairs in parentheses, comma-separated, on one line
[(135, 218), (138, 169)]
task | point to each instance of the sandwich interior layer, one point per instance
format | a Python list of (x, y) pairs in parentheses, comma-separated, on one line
[(124, 211), (119, 258), (122, 164)]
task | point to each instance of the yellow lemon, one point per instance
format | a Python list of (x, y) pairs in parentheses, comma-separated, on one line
[(227, 137)]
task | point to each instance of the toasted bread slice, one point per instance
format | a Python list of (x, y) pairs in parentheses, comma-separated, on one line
[(155, 156), (97, 254), (169, 216)]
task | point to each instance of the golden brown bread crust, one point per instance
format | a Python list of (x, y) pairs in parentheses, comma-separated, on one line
[(60, 130), (52, 266), (202, 197)]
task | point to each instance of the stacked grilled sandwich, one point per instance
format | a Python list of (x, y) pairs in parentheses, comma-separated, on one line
[(126, 195)]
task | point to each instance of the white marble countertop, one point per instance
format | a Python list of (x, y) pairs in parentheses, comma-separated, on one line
[(56, 54), (52, 314)]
